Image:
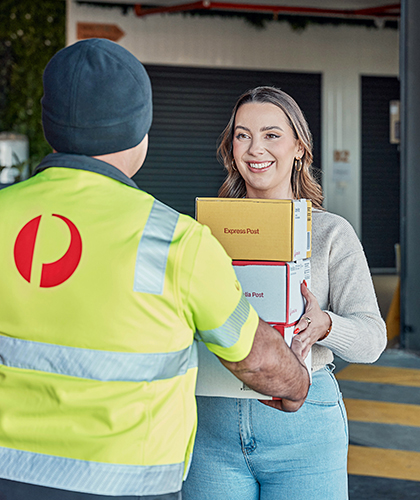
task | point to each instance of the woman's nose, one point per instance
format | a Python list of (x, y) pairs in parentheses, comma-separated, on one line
[(256, 147)]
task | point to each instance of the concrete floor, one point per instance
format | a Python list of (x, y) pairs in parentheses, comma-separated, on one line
[(383, 406)]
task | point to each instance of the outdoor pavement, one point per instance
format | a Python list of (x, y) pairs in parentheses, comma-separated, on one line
[(383, 406)]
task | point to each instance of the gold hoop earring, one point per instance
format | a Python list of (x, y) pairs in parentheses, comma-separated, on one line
[(233, 165), (298, 164)]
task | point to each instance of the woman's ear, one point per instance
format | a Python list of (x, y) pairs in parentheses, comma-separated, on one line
[(300, 150)]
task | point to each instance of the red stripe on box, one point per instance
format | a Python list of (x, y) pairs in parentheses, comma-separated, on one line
[(257, 263), (281, 326)]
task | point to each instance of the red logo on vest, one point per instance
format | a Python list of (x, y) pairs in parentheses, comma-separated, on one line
[(53, 273)]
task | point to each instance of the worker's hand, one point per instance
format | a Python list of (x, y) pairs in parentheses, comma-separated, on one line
[(271, 367), (283, 404), (314, 322)]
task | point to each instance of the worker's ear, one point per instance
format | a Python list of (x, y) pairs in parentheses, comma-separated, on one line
[(140, 153)]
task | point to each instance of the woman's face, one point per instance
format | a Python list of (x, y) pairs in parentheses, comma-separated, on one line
[(264, 149)]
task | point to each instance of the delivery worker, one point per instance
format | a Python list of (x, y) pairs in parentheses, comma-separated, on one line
[(102, 291)]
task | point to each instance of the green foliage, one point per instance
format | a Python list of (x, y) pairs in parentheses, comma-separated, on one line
[(31, 32)]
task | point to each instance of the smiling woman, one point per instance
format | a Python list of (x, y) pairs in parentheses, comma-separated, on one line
[(264, 153), (284, 122), (249, 449)]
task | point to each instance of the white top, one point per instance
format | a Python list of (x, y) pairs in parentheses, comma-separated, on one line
[(342, 284)]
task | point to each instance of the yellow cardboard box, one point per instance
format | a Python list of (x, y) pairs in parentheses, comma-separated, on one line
[(259, 229)]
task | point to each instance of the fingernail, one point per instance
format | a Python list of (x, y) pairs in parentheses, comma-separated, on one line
[(304, 282), (296, 331)]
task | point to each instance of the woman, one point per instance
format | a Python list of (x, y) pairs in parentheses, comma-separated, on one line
[(246, 450)]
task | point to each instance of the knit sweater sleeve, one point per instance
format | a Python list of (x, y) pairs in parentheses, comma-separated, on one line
[(343, 285)]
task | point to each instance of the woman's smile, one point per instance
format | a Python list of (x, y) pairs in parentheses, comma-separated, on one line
[(264, 150), (259, 166)]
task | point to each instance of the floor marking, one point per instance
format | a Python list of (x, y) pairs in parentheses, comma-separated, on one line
[(362, 410), (380, 392), (378, 462), (380, 375)]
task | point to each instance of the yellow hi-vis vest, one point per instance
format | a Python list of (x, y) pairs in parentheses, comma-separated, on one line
[(102, 289)]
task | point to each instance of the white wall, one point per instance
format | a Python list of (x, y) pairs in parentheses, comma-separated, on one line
[(341, 53)]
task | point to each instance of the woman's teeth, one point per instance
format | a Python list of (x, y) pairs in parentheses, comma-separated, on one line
[(260, 165)]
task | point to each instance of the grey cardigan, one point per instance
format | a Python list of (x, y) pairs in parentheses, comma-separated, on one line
[(342, 284)]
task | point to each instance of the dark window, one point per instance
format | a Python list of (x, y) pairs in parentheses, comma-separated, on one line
[(380, 173)]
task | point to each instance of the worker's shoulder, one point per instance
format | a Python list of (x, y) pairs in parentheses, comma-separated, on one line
[(164, 216)]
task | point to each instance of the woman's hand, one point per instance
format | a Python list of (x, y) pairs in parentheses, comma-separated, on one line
[(314, 323)]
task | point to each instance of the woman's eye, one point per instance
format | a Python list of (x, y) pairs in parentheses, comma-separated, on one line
[(242, 136), (273, 136)]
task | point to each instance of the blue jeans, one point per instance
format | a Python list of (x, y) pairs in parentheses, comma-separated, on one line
[(248, 451)]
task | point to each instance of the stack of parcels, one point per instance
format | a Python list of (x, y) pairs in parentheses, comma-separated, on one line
[(269, 242)]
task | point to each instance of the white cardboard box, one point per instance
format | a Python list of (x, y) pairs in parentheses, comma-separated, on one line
[(273, 288), (216, 380)]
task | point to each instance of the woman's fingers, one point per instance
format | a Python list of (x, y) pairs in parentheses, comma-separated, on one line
[(311, 301), (301, 345), (307, 294), (302, 324), (306, 350), (298, 345)]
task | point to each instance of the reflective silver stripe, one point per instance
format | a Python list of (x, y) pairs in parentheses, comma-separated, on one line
[(95, 364), (187, 469), (152, 252), (228, 334), (90, 477)]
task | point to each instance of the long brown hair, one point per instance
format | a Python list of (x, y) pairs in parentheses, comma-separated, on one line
[(303, 183)]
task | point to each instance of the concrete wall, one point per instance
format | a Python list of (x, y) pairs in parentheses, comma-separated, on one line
[(341, 53)]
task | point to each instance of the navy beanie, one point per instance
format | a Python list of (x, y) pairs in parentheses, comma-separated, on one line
[(97, 99)]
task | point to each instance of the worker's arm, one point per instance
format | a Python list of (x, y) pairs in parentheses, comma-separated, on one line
[(274, 369), (231, 329)]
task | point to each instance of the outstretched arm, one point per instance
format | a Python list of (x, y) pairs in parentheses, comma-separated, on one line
[(274, 369)]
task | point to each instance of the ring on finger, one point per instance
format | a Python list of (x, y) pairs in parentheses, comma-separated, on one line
[(307, 319)]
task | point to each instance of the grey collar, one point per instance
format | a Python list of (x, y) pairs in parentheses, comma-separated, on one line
[(82, 162)]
